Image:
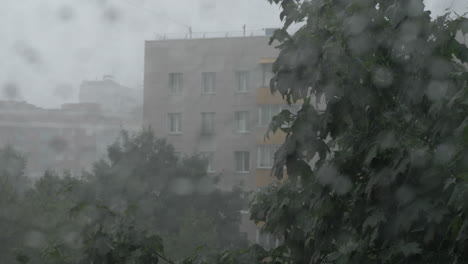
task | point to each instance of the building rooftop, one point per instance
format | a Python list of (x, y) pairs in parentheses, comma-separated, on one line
[(264, 32), (16, 105)]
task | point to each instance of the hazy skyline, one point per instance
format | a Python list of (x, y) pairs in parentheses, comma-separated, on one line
[(50, 46)]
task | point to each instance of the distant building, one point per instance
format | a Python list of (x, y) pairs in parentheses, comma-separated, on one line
[(212, 96), (70, 138), (114, 98)]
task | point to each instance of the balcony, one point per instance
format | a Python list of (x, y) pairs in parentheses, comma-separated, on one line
[(263, 177), (273, 138), (264, 96)]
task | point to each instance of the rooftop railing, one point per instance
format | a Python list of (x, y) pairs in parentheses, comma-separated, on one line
[(211, 35), (219, 34)]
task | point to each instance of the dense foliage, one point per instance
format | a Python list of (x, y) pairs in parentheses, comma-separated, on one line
[(391, 137), (376, 173), (13, 181), (121, 211)]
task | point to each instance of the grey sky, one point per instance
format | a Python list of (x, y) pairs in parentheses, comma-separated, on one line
[(49, 46)]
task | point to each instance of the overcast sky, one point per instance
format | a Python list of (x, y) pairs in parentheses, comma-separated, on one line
[(49, 46)]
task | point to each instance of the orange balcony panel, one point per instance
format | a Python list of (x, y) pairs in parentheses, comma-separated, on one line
[(263, 178), (273, 138), (264, 96), (266, 60)]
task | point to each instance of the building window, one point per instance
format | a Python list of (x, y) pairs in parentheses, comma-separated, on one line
[(266, 156), (266, 114), (242, 161), (175, 123), (209, 157), (242, 121), (267, 74), (208, 82), (208, 122), (242, 81), (175, 83), (267, 240)]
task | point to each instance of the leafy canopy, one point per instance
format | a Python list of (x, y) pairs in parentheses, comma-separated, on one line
[(385, 117), (122, 210)]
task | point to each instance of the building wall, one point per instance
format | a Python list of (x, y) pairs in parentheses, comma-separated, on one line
[(192, 57), (225, 56), (71, 138), (114, 98)]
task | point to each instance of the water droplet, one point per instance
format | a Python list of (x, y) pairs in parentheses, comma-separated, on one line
[(382, 77), (11, 91), (66, 13)]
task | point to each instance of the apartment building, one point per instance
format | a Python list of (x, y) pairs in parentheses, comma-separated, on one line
[(114, 98), (211, 96), (70, 138)]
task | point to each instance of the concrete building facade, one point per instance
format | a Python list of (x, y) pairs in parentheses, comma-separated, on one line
[(114, 98), (70, 139), (211, 96)]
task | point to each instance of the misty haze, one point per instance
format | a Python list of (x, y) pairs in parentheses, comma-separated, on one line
[(249, 131)]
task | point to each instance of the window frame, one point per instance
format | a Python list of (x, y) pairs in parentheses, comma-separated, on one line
[(238, 81), (178, 123), (209, 156), (206, 80), (245, 158), (210, 121), (261, 113), (238, 115), (267, 68), (180, 88), (271, 150)]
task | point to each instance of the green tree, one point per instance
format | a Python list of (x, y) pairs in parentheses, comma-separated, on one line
[(13, 183), (390, 183), (122, 210), (145, 178), (197, 234)]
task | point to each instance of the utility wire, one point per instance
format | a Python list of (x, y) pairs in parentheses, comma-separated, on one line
[(188, 27), (156, 13)]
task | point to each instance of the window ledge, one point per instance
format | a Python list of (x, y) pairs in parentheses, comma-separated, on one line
[(264, 168), (242, 172)]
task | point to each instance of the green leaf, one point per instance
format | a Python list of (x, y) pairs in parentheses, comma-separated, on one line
[(333, 256), (372, 221), (409, 249), (465, 135), (464, 25), (371, 154), (22, 258)]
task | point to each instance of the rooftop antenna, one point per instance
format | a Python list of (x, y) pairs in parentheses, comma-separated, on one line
[(243, 28), (190, 31)]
